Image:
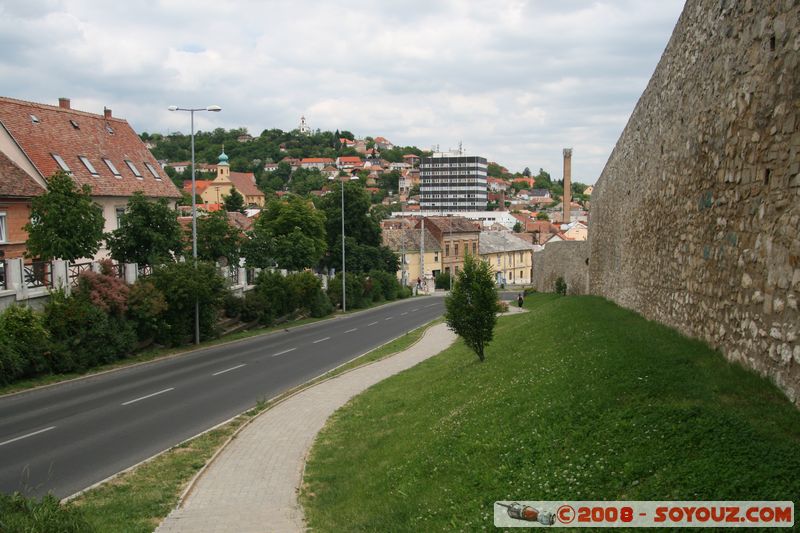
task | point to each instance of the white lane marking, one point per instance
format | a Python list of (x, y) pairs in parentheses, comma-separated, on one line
[(148, 396), (404, 314), (283, 352), (351, 330), (430, 305), (415, 310), (228, 369), (388, 318), (371, 323), (321, 340), (26, 436)]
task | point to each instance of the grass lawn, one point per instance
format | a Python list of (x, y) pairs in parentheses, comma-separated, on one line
[(137, 501), (577, 400)]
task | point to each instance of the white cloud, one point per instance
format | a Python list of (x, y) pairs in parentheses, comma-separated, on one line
[(515, 80)]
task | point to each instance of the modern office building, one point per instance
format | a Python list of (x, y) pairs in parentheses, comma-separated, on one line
[(453, 182)]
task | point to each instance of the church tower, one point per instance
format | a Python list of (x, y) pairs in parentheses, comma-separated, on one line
[(223, 168), (304, 129)]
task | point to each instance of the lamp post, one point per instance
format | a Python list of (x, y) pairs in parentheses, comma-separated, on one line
[(191, 110), (344, 270)]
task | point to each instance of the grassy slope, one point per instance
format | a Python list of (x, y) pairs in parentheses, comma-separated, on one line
[(578, 399)]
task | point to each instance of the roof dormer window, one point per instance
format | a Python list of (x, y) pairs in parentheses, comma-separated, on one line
[(88, 164), (109, 129), (61, 163), (111, 167), (152, 170), (74, 124), (35, 119), (133, 168)]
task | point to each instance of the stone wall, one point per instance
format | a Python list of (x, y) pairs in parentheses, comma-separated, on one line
[(695, 220), (568, 259)]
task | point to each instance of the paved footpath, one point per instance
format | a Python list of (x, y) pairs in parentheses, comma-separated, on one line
[(252, 484)]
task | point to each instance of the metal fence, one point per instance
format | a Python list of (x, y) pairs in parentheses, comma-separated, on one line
[(3, 284), (145, 270), (75, 270), (38, 274)]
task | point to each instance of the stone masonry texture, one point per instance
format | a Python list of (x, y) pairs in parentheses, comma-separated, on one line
[(695, 220), (568, 259)]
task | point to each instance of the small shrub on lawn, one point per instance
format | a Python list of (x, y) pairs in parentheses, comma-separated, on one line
[(561, 286)]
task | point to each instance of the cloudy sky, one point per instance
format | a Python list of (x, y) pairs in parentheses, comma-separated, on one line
[(515, 81)]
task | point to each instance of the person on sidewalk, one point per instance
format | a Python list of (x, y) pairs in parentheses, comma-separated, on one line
[(519, 300)]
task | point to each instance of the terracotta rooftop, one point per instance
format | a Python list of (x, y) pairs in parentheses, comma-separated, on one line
[(245, 183), (15, 182), (395, 239), (44, 131)]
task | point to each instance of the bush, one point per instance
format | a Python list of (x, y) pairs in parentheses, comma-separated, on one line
[(561, 286), (442, 281), (275, 295), (24, 331), (18, 513), (384, 283), (146, 305), (307, 294), (83, 335), (254, 307), (357, 296), (11, 365), (186, 285), (233, 305)]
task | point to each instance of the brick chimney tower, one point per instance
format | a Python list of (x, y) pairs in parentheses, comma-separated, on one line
[(567, 197)]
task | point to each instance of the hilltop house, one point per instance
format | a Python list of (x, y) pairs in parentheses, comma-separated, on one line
[(101, 151)]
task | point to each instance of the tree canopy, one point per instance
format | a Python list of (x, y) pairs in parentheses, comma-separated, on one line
[(65, 222), (234, 201), (217, 238), (149, 232)]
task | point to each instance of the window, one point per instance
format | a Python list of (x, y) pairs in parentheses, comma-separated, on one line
[(133, 169), (474, 248), (88, 165), (111, 167), (455, 249), (119, 211), (152, 170), (61, 163), (35, 119), (74, 124), (447, 250), (3, 236), (109, 129)]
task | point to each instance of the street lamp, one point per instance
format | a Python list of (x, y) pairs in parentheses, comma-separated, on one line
[(344, 278), (191, 110)]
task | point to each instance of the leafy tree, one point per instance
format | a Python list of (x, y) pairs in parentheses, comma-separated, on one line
[(518, 227), (216, 238), (149, 232), (290, 233), (541, 215), (526, 172), (472, 306), (234, 201), (65, 222), (306, 180)]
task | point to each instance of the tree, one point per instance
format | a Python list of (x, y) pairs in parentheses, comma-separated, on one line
[(65, 222), (541, 215), (234, 201), (472, 306), (216, 238), (149, 232), (290, 233), (518, 227), (526, 172)]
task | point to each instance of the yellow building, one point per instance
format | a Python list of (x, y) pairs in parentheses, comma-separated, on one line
[(510, 257), (244, 182), (419, 252)]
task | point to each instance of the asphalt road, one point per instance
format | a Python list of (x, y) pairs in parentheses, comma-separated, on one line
[(64, 438)]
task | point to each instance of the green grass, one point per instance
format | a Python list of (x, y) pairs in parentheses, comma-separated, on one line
[(578, 400), (137, 501)]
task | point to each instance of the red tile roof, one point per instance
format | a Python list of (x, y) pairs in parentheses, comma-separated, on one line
[(316, 160), (245, 183), (71, 133), (349, 159), (15, 182)]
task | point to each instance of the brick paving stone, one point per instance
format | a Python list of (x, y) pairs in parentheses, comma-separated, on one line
[(252, 485)]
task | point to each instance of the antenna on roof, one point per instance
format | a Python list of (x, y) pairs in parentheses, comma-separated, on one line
[(460, 148)]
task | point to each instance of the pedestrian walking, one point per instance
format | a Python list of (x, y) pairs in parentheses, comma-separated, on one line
[(519, 299)]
